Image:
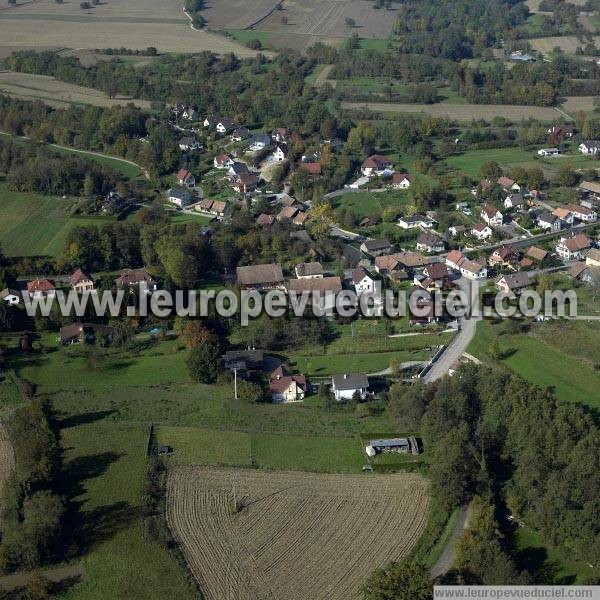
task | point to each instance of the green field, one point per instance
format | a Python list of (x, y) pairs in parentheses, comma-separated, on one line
[(36, 225), (470, 162), (543, 364), (105, 466), (365, 203)]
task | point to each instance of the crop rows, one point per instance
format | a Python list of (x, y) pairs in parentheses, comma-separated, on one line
[(298, 535)]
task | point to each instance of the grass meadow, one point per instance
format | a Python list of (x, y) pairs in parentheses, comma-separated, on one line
[(548, 359), (36, 225)]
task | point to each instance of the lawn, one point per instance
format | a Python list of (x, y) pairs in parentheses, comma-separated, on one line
[(105, 466), (193, 446), (37, 225), (470, 162), (370, 362), (552, 366), (329, 454)]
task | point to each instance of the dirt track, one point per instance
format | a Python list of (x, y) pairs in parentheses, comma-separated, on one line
[(462, 112)]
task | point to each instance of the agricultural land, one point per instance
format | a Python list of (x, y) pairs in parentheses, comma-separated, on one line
[(297, 535)]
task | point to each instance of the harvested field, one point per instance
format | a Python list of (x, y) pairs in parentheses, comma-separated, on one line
[(534, 7), (113, 23), (574, 104), (57, 93), (298, 535), (237, 14), (327, 18), (462, 112), (567, 43)]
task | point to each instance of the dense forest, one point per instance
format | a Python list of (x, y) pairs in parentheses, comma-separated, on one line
[(520, 452)]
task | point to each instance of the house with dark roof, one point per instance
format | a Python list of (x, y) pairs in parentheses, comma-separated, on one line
[(137, 278), (516, 282), (245, 362), (429, 242), (415, 221), (376, 247), (179, 197), (78, 333), (363, 281), (345, 385)]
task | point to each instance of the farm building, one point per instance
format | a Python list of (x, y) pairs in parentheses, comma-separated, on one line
[(260, 277), (396, 445)]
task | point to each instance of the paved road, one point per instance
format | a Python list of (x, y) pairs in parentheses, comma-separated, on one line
[(458, 345), (446, 560)]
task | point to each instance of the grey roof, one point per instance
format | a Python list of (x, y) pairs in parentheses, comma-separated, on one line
[(239, 168), (178, 193), (350, 381), (416, 219), (261, 137), (380, 244), (517, 280), (389, 443)]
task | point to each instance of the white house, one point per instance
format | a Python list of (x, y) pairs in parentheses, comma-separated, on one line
[(401, 181), (548, 152), (492, 216), (345, 385), (222, 161), (473, 270), (513, 201), (481, 231), (574, 247), (549, 221), (279, 154), (260, 141), (415, 221), (41, 288), (12, 297), (362, 280), (590, 147), (583, 213), (179, 197)]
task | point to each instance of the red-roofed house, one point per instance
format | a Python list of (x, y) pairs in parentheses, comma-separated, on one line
[(314, 168), (482, 231), (223, 161), (401, 181), (574, 247), (41, 288), (285, 387), (81, 281), (184, 177), (375, 165)]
